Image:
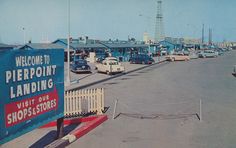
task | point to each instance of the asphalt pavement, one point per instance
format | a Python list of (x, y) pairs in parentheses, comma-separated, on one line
[(157, 107)]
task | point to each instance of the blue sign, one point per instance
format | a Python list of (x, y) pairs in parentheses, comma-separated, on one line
[(32, 90)]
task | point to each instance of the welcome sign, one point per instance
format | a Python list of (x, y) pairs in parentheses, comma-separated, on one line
[(32, 90)]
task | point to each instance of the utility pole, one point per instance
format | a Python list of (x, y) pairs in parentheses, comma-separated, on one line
[(68, 47), (210, 37), (24, 35), (202, 33)]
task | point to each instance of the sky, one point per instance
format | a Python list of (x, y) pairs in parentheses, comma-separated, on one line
[(114, 19)]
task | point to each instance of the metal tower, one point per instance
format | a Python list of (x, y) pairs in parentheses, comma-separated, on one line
[(159, 27)]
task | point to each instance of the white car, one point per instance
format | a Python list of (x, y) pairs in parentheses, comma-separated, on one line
[(110, 66), (208, 54), (193, 55), (177, 57)]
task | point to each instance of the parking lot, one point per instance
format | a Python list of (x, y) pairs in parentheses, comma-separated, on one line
[(82, 79), (171, 91)]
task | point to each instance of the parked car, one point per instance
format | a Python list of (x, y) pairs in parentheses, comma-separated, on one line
[(80, 66), (193, 55), (185, 52), (220, 51), (110, 66), (163, 52), (100, 59), (141, 59), (177, 57), (208, 54), (234, 71)]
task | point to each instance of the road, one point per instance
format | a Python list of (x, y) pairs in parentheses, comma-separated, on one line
[(172, 91)]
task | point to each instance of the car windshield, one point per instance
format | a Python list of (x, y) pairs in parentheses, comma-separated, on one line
[(80, 62), (209, 51), (113, 63), (112, 59)]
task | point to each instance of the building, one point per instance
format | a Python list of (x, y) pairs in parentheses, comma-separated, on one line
[(32, 46), (120, 49), (43, 46), (169, 46), (6, 47)]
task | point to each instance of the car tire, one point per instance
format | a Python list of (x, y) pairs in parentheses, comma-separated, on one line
[(172, 59), (108, 73)]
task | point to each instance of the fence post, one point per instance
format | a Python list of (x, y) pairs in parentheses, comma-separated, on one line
[(99, 101), (94, 103), (73, 103), (60, 128), (65, 103), (80, 101), (103, 100), (200, 108), (114, 111)]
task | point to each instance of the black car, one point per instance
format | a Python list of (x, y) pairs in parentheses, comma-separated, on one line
[(141, 59), (80, 66)]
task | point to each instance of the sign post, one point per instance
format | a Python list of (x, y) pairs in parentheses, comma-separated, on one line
[(32, 90), (60, 128)]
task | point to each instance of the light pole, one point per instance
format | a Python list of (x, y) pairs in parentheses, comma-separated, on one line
[(146, 37), (24, 34), (68, 47), (147, 24)]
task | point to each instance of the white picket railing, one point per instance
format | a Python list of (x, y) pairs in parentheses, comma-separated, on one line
[(81, 102)]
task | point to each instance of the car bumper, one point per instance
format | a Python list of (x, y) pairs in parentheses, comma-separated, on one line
[(115, 72), (81, 70)]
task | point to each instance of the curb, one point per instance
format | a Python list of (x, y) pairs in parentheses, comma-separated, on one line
[(112, 77), (88, 127), (92, 122), (70, 121)]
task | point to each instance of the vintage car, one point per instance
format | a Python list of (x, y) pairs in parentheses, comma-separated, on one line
[(141, 59), (110, 66), (208, 54), (80, 66), (220, 51), (177, 57), (193, 55)]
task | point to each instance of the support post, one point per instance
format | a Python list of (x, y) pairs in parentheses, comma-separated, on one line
[(114, 111), (200, 108), (60, 128)]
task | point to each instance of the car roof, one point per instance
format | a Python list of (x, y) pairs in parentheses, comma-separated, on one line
[(79, 60), (111, 58)]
